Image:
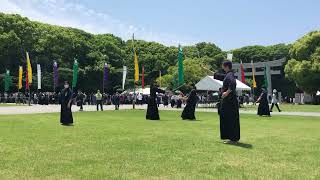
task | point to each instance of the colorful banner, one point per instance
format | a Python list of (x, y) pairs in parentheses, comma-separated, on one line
[(7, 81), (55, 76), (243, 78), (124, 75), (75, 74), (180, 67), (29, 69), (136, 64), (254, 83), (39, 76), (20, 77), (105, 77)]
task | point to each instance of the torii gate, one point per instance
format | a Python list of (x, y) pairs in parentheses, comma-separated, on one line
[(268, 65)]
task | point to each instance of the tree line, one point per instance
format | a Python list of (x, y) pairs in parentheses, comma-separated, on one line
[(48, 43)]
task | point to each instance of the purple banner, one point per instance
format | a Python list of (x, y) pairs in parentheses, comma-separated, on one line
[(105, 76), (55, 75)]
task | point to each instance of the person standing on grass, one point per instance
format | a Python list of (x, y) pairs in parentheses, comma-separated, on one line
[(165, 100), (66, 103), (139, 98), (99, 99), (80, 99), (263, 108), (152, 110), (274, 101), (229, 110), (116, 101), (188, 111)]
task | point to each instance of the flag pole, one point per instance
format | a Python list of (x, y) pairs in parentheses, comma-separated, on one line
[(18, 86), (18, 95), (134, 96), (134, 81), (54, 83), (29, 97)]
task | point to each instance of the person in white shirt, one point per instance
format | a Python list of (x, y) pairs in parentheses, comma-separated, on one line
[(274, 101), (139, 97)]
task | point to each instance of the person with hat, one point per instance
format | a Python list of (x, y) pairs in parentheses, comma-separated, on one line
[(274, 101)]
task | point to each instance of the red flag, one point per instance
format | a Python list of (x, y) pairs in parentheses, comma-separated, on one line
[(27, 80), (142, 79), (243, 79)]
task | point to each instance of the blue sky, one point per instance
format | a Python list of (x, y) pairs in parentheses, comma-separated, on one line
[(228, 23)]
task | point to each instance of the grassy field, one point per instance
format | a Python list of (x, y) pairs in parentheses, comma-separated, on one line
[(123, 145), (288, 108)]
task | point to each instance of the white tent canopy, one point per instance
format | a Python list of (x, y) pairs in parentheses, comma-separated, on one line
[(145, 91), (208, 83)]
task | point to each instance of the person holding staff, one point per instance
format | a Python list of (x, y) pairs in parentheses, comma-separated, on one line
[(229, 110), (188, 111), (263, 108), (66, 118), (152, 110)]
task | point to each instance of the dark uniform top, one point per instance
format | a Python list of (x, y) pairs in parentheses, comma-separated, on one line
[(263, 108), (66, 114), (188, 111), (229, 111), (152, 111)]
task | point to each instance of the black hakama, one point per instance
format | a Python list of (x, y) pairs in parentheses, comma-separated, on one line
[(263, 108), (229, 110), (66, 114), (152, 110), (188, 111)]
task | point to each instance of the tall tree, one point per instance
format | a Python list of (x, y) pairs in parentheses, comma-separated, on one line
[(304, 67)]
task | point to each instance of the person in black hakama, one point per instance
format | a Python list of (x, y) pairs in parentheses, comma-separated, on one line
[(152, 110), (229, 110), (263, 108), (66, 103), (188, 111)]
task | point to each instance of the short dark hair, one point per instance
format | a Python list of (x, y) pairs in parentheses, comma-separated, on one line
[(66, 82), (227, 64)]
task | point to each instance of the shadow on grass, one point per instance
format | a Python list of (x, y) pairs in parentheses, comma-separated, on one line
[(67, 125), (243, 145), (191, 120)]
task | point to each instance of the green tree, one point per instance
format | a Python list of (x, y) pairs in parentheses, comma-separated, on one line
[(304, 67)]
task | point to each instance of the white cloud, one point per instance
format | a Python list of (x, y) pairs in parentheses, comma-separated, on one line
[(68, 13), (9, 7)]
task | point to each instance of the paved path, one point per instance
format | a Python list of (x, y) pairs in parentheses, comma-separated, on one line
[(35, 109)]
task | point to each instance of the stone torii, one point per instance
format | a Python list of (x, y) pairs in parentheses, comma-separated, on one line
[(268, 65)]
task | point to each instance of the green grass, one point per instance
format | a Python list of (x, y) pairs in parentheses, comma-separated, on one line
[(288, 108), (123, 145)]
